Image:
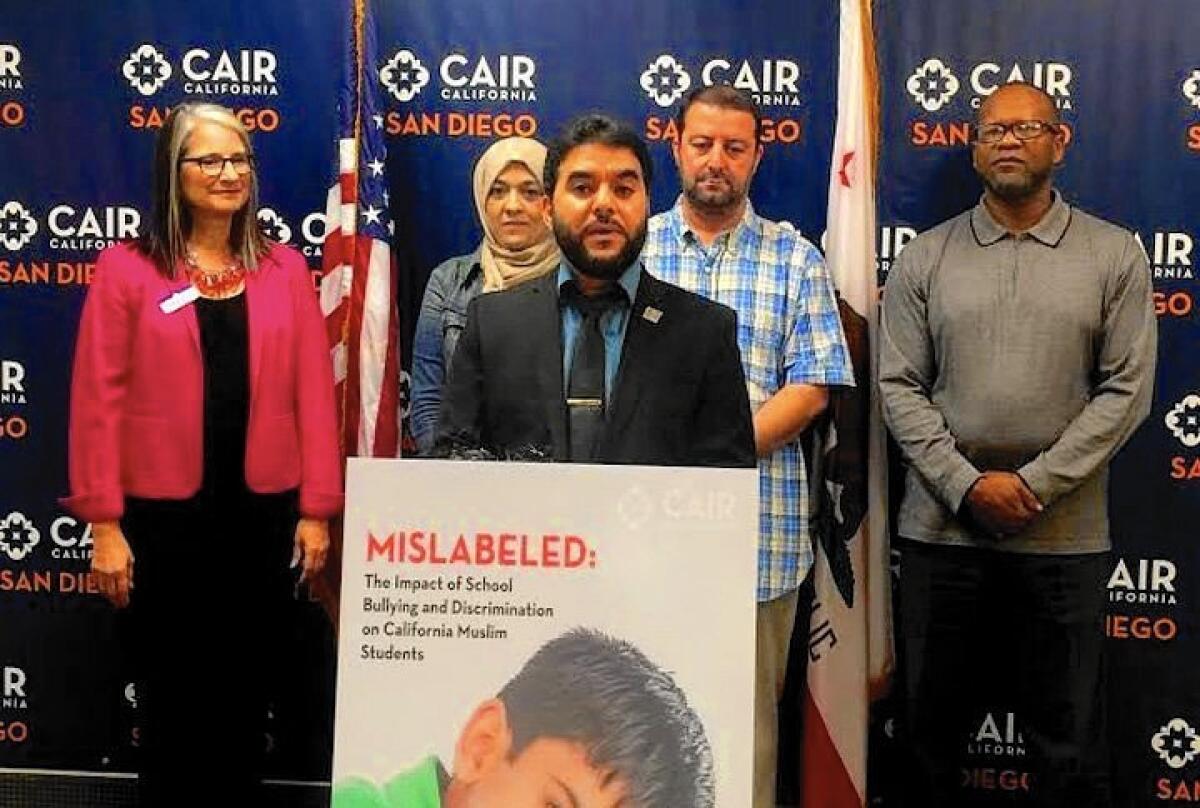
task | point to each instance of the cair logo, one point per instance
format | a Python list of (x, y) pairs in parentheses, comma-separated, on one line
[(1176, 745), (1183, 422), (502, 77), (20, 572), (1169, 253), (12, 111), (18, 536), (13, 696), (1190, 90), (204, 71), (892, 239), (1148, 586), (772, 82), (12, 394), (71, 539), (68, 227), (997, 748), (65, 228), (311, 235), (460, 79), (945, 97)]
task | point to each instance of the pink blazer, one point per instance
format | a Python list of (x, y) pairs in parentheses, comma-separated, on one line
[(137, 390)]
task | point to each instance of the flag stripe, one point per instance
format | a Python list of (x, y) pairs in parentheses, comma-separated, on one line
[(359, 277), (853, 634)]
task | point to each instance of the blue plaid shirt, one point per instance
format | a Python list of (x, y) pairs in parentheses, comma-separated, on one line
[(788, 332)]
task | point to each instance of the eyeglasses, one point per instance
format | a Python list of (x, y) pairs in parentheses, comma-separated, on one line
[(213, 165), (1022, 130)]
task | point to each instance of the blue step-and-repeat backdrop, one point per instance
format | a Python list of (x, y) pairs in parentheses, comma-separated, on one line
[(84, 87)]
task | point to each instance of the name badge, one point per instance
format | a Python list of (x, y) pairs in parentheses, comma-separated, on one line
[(174, 302)]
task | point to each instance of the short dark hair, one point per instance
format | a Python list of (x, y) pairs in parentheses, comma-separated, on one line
[(626, 712), (723, 96), (1055, 117), (595, 127)]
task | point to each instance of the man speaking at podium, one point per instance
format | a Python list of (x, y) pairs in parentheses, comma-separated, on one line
[(599, 362)]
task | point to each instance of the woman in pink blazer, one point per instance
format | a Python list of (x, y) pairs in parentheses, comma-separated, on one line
[(203, 449)]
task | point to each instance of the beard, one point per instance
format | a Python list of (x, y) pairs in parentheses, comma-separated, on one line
[(1015, 187), (605, 269), (717, 200)]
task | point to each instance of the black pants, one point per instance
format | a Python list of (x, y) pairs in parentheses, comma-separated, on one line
[(211, 582), (1002, 656)]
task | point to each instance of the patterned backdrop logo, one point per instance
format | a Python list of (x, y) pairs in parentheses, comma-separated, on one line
[(665, 80), (947, 91), (13, 695), (204, 71), (466, 83), (773, 83), (932, 85), (12, 112), (404, 75), (10, 67), (17, 226), (996, 753), (146, 69), (1142, 592), (12, 383), (1183, 420), (18, 536), (1176, 743), (488, 77), (12, 394), (1169, 253), (1191, 88), (892, 241), (69, 226), (273, 226)]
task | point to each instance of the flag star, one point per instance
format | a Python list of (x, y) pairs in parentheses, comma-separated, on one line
[(371, 214), (378, 121), (386, 197), (376, 167), (391, 228)]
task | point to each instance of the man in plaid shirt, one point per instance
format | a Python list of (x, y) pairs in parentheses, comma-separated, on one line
[(712, 243)]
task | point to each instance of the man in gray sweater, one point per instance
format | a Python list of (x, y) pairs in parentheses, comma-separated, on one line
[(1017, 356)]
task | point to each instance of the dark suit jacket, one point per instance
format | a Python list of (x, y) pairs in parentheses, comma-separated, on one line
[(679, 398)]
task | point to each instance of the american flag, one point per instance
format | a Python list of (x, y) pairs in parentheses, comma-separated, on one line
[(358, 271)]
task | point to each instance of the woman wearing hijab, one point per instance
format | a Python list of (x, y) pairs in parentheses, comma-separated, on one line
[(203, 450), (517, 247)]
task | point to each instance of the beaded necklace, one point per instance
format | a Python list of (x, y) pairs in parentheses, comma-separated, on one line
[(214, 283)]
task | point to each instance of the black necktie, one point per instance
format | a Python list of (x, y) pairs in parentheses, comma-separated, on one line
[(585, 387)]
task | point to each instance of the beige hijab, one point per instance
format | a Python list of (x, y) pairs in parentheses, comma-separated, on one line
[(504, 268)]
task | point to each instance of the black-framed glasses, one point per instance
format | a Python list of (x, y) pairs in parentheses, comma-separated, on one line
[(213, 165), (1022, 130)]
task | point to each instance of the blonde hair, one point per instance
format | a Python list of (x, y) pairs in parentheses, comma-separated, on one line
[(166, 240)]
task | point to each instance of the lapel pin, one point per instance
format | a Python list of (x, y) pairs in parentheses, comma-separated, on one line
[(652, 314)]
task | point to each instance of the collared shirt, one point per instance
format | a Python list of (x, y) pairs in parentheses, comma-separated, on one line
[(788, 332), (1031, 353), (612, 323), (452, 285)]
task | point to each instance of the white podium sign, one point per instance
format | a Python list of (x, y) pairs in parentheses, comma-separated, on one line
[(512, 629)]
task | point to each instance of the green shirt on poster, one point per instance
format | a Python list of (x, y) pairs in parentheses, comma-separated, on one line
[(419, 787)]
